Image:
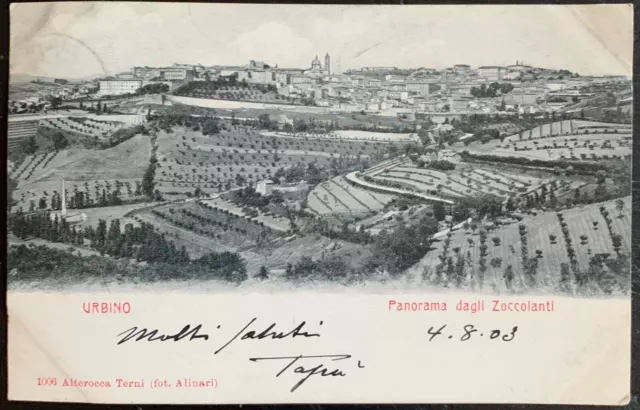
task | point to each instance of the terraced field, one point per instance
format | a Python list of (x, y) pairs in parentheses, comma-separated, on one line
[(350, 135), (338, 196), (19, 130), (464, 181), (570, 127), (570, 139), (85, 126)]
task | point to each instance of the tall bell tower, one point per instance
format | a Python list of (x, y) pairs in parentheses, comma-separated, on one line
[(327, 64)]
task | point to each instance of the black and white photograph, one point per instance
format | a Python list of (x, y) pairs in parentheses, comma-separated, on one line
[(162, 146), (233, 203)]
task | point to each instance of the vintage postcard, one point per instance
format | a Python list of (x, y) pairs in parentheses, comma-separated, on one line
[(252, 203)]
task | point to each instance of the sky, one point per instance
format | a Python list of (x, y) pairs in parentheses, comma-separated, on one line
[(80, 39)]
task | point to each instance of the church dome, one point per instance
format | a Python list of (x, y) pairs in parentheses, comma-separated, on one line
[(316, 63)]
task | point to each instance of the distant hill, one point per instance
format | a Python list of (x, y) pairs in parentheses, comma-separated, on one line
[(26, 78)]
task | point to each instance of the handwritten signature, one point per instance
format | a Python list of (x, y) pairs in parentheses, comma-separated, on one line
[(319, 369)]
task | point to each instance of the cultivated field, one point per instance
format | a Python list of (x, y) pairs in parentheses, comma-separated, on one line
[(580, 223), (203, 229), (240, 154), (463, 181), (93, 192), (348, 135), (230, 104), (265, 219), (337, 196), (570, 127), (569, 139), (237, 92), (82, 125), (120, 167)]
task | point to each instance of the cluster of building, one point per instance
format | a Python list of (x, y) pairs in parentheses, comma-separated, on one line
[(387, 90), (46, 92), (382, 89), (451, 90), (132, 81)]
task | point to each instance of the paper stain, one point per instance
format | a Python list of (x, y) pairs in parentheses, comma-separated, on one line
[(43, 20), (86, 46), (358, 54), (597, 20)]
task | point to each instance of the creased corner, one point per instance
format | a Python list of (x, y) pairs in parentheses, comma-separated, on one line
[(27, 361)]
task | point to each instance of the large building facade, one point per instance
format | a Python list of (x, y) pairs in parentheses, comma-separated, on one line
[(119, 87), (492, 73), (317, 70)]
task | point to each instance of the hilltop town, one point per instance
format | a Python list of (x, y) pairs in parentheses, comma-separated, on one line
[(387, 91), (499, 178)]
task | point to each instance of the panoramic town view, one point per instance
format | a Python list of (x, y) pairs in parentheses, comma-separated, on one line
[(509, 176)]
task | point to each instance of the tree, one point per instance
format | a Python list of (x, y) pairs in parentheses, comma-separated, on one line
[(496, 240), (210, 127), (508, 276), (11, 187), (59, 141), (147, 179), (29, 145), (616, 240), (439, 212), (264, 121), (600, 193), (55, 102), (620, 207), (262, 274), (396, 251), (565, 277), (543, 194)]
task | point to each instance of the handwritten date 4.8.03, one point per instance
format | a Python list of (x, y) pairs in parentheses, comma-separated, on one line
[(469, 331)]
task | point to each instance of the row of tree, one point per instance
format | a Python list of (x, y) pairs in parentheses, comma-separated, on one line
[(142, 243), (493, 90), (44, 265)]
